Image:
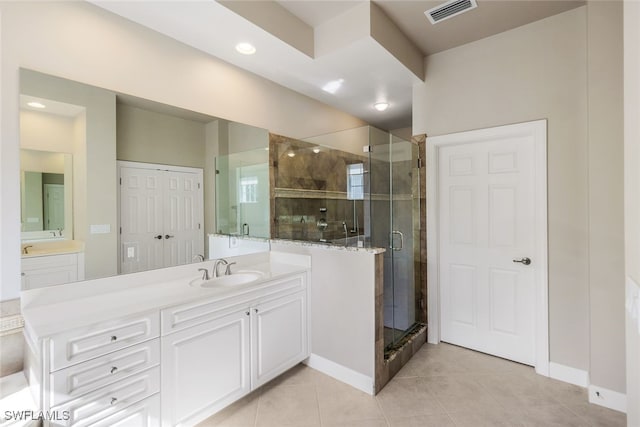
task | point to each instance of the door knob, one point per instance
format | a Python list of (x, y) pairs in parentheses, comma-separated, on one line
[(525, 261), (167, 236), (159, 237)]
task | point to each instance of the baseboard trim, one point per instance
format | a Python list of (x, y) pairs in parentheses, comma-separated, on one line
[(341, 373), (568, 374), (608, 398)]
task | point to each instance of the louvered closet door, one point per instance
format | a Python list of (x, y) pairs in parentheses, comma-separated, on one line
[(183, 213), (141, 219), (486, 211)]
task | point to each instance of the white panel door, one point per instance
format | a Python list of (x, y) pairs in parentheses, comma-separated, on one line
[(486, 211), (161, 217), (53, 207), (141, 219), (183, 213)]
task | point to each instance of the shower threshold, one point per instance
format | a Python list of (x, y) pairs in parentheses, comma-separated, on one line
[(404, 338)]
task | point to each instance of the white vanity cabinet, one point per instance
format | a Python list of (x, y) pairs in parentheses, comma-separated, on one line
[(166, 354), (47, 270), (90, 374), (239, 347)]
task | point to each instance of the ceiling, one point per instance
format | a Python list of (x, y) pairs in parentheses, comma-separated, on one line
[(353, 41)]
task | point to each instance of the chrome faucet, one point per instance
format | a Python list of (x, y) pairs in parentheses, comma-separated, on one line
[(224, 262), (198, 257), (346, 232), (205, 273), (25, 250)]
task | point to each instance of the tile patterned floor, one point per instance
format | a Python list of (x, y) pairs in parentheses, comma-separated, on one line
[(441, 386)]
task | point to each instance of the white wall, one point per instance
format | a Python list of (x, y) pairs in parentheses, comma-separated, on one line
[(632, 201), (81, 42), (539, 71), (342, 305)]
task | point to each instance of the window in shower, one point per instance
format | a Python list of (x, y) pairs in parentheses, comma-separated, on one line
[(249, 189), (355, 181)]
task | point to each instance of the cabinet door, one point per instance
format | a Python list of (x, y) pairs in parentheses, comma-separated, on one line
[(204, 368), (32, 279), (279, 337)]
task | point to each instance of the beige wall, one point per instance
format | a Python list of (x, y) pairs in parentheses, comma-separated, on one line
[(533, 72), (47, 132), (566, 69), (118, 55), (606, 188), (632, 197), (151, 137)]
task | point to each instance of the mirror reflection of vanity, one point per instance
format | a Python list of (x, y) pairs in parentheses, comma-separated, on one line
[(75, 148)]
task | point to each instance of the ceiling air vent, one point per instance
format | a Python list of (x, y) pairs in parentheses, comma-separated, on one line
[(449, 9)]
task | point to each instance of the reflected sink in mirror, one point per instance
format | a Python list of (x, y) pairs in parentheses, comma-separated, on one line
[(235, 279)]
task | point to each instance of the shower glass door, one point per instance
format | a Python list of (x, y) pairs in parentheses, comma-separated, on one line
[(396, 221)]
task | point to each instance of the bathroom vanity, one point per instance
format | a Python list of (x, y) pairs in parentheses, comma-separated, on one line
[(46, 263), (165, 347)]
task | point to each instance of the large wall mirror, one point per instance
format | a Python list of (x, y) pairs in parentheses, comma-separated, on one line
[(129, 183)]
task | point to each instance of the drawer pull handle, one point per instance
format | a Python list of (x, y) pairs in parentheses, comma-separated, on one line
[(114, 400), (114, 369), (113, 338)]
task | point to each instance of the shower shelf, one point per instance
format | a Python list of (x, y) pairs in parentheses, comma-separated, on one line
[(295, 193)]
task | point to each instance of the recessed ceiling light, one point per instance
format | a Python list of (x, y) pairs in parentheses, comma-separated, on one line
[(35, 104), (333, 86), (381, 106), (246, 48), (316, 150)]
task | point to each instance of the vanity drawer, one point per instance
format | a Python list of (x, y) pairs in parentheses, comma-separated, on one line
[(76, 380), (86, 343), (102, 403), (180, 317), (48, 261), (145, 413)]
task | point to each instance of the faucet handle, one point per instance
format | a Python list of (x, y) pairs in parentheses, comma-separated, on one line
[(227, 271)]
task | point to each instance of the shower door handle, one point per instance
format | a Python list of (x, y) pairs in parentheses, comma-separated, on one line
[(245, 226), (393, 248)]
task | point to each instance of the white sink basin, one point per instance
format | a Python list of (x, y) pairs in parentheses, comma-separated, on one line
[(235, 279)]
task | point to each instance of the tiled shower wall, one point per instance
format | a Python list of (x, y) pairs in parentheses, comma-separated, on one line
[(303, 182)]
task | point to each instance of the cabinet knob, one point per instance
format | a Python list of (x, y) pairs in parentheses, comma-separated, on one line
[(23, 274), (113, 338), (255, 310), (114, 369), (114, 400), (247, 313)]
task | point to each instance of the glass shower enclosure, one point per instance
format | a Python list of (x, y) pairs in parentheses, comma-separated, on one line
[(359, 187), (394, 187)]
